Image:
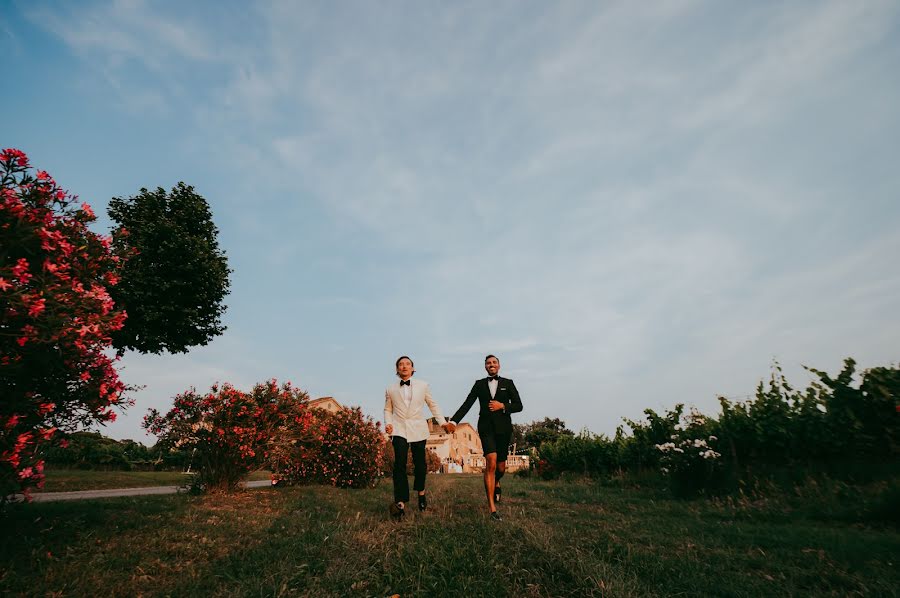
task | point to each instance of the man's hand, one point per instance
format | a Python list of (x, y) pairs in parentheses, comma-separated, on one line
[(389, 429), (449, 427), (495, 405)]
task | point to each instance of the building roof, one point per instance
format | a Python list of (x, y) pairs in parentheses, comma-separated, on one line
[(326, 403)]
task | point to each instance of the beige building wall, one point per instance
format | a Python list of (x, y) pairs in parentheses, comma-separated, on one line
[(326, 403), (459, 452)]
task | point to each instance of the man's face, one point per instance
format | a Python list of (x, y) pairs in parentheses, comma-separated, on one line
[(405, 368), (492, 365)]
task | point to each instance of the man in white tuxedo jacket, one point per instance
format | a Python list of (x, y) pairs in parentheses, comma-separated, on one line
[(404, 420)]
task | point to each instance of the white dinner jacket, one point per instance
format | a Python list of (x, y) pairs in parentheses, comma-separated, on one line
[(409, 421)]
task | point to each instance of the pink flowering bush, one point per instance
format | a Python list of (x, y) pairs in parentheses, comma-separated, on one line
[(56, 318), (231, 432), (344, 450)]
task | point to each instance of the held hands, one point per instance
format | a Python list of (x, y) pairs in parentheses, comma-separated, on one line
[(389, 429), (495, 405), (449, 427)]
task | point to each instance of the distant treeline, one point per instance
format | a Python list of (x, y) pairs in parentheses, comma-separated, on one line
[(92, 450)]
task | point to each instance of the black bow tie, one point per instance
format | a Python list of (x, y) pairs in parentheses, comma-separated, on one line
[(405, 382), (493, 377)]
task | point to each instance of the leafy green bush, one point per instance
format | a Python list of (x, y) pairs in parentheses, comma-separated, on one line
[(585, 454)]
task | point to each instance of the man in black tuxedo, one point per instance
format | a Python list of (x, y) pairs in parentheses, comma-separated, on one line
[(497, 399)]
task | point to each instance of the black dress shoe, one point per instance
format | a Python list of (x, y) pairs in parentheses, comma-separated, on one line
[(497, 493), (397, 511), (495, 516), (423, 503)]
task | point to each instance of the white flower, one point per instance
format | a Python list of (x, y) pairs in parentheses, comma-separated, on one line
[(713, 438), (678, 450)]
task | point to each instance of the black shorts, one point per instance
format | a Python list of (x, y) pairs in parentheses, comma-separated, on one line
[(495, 443)]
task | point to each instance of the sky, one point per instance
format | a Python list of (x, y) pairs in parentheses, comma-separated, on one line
[(632, 204)]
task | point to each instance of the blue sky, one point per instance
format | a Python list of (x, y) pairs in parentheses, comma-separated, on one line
[(632, 204)]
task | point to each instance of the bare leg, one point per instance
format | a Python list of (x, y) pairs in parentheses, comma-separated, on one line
[(489, 481)]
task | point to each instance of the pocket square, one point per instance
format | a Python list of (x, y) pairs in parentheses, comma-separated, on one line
[(502, 389)]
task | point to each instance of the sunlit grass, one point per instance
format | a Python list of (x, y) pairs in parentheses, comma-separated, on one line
[(557, 539)]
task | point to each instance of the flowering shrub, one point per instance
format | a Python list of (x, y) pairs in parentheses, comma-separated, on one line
[(690, 464), (56, 318), (351, 445), (345, 450), (231, 432)]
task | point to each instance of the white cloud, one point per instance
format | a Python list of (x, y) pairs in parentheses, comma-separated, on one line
[(623, 200)]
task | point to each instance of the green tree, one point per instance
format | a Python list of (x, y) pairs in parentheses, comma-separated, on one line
[(89, 450), (175, 277), (547, 430)]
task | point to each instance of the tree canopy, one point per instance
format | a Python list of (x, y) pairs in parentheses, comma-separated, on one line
[(175, 276), (536, 433)]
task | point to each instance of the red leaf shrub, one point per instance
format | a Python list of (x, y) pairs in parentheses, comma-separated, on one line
[(56, 318)]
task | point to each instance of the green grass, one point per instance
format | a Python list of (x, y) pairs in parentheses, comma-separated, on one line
[(67, 480), (557, 539)]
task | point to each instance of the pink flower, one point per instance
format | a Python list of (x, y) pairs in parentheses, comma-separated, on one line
[(4, 285), (14, 155), (36, 307), (20, 270)]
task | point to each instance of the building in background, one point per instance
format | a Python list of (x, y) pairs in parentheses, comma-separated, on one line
[(459, 452), (326, 403)]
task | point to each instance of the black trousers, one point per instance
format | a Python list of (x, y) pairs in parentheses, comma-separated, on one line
[(401, 483)]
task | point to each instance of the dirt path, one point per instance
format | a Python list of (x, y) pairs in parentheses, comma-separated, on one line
[(114, 492)]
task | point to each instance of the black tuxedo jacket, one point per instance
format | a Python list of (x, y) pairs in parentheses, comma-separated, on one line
[(491, 422)]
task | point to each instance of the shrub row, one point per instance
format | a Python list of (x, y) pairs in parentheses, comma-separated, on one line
[(831, 423), (231, 433)]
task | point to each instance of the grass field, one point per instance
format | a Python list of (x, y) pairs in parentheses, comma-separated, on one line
[(67, 480), (557, 539)]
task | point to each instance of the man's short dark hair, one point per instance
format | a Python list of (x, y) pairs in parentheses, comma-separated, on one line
[(489, 356)]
